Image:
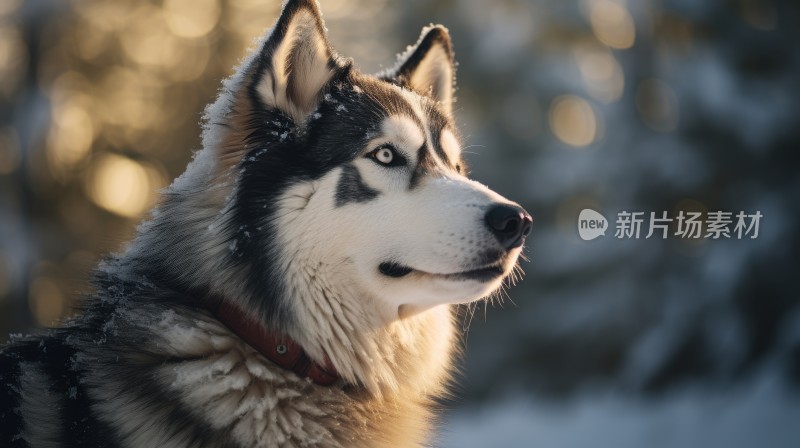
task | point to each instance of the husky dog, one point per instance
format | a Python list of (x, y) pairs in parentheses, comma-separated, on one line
[(295, 286)]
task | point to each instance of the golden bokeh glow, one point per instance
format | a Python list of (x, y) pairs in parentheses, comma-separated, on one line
[(573, 121), (46, 301), (601, 73), (9, 6), (123, 186), (13, 58), (191, 18), (612, 24), (101, 15), (89, 42), (148, 41), (70, 137), (127, 98)]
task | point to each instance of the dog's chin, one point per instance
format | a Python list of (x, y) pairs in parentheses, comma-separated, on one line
[(448, 290)]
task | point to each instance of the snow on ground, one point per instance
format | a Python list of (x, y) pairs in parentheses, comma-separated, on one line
[(763, 413)]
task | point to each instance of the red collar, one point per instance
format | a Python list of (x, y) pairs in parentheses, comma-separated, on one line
[(278, 348)]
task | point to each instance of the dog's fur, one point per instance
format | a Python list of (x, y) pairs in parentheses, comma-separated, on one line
[(290, 214)]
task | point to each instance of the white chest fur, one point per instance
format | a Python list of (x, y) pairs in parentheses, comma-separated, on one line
[(229, 385)]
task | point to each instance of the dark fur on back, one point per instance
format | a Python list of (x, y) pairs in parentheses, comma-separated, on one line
[(64, 356)]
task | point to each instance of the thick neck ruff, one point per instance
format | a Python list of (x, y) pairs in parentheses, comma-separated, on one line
[(278, 348)]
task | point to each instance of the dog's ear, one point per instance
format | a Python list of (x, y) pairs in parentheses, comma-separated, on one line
[(296, 61), (427, 67)]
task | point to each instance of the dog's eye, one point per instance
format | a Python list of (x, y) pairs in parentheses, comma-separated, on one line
[(386, 155)]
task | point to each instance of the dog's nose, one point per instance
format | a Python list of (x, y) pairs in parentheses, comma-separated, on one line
[(509, 223)]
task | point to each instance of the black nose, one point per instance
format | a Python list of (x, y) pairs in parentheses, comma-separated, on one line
[(509, 223)]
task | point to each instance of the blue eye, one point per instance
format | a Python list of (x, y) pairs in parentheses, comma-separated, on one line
[(387, 155), (384, 155)]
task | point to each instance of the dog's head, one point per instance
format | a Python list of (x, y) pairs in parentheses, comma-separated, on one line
[(327, 181)]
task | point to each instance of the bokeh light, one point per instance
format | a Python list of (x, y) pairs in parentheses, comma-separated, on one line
[(612, 23), (573, 120), (71, 135), (13, 59), (123, 186), (46, 301), (601, 73), (9, 6), (191, 18), (677, 106)]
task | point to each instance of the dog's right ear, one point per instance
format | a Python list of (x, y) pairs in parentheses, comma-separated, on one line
[(295, 62), (427, 67)]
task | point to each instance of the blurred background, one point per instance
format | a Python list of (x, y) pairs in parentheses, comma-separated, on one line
[(671, 105)]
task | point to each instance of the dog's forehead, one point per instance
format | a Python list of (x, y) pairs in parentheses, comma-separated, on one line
[(403, 131), (408, 116)]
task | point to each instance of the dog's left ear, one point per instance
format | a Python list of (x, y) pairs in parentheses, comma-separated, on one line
[(428, 67), (296, 61)]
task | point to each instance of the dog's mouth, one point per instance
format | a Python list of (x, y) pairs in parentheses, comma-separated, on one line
[(484, 274), (394, 270)]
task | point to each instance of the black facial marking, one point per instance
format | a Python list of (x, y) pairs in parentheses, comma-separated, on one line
[(334, 135), (351, 187), (437, 123), (425, 164)]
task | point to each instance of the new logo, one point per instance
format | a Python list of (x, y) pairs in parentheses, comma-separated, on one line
[(591, 224)]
